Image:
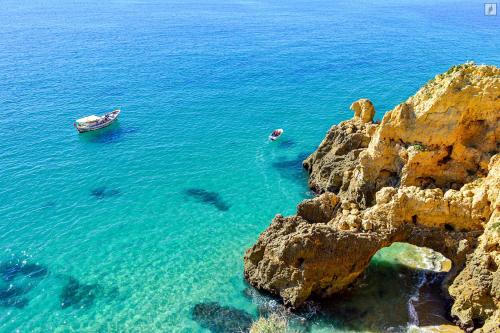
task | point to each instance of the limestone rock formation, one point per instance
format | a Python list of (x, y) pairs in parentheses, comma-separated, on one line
[(476, 289), (428, 175), (442, 137), (331, 165), (364, 110)]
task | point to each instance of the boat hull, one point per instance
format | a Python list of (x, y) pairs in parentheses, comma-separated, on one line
[(94, 128), (274, 136), (112, 117)]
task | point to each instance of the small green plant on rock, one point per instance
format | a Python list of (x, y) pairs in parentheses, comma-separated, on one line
[(418, 146), (496, 226)]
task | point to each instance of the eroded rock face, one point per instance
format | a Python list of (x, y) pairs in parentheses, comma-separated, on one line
[(476, 289), (443, 136), (331, 165), (427, 175), (364, 110)]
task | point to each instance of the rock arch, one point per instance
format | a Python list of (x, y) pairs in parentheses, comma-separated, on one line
[(310, 254), (428, 175)]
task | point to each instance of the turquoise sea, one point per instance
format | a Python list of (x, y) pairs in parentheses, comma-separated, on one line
[(130, 228)]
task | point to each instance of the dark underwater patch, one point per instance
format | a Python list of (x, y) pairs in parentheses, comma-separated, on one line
[(103, 192), (12, 269), (12, 296), (49, 204), (267, 304), (18, 278), (207, 197), (77, 295), (220, 318)]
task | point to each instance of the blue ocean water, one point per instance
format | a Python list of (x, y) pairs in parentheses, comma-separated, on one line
[(128, 228)]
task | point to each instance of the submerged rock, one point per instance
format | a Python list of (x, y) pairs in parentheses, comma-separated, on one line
[(77, 295), (12, 269), (19, 277), (207, 197), (103, 192), (428, 175), (221, 319), (12, 296)]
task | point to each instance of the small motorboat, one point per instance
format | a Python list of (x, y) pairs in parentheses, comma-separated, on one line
[(276, 134), (92, 123)]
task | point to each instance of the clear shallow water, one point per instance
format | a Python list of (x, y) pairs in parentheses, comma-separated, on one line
[(152, 216)]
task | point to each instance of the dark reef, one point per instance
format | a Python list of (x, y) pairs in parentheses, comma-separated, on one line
[(11, 296), (103, 192), (208, 197), (77, 295), (220, 318), (10, 270), (18, 278)]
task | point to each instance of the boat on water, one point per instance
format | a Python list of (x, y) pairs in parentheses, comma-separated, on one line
[(276, 134), (93, 122)]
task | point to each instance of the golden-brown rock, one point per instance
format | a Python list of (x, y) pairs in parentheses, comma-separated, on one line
[(364, 110), (442, 137), (477, 288), (331, 165), (428, 175)]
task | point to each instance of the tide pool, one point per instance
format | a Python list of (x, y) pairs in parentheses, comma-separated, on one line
[(129, 228)]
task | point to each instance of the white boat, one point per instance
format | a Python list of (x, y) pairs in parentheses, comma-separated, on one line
[(276, 134), (92, 123)]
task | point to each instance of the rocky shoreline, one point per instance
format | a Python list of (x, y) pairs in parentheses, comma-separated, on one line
[(427, 175)]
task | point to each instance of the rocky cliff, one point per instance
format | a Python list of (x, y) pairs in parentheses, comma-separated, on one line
[(428, 174)]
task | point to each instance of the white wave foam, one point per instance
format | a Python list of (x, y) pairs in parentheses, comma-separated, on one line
[(430, 261)]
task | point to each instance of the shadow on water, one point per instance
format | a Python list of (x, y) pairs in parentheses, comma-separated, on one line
[(220, 318), (208, 197), (77, 295), (376, 302), (379, 300), (289, 143), (292, 168), (18, 278), (111, 134), (102, 192)]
